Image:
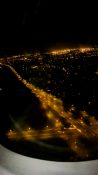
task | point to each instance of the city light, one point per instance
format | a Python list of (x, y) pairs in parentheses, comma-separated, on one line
[(65, 122), (86, 49), (60, 52)]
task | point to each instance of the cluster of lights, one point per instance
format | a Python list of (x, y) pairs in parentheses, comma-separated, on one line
[(87, 49), (64, 51), (55, 112), (61, 51)]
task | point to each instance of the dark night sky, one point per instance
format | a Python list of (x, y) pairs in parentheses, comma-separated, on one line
[(43, 23)]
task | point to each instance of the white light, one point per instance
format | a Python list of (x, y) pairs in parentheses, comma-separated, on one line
[(1, 89)]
